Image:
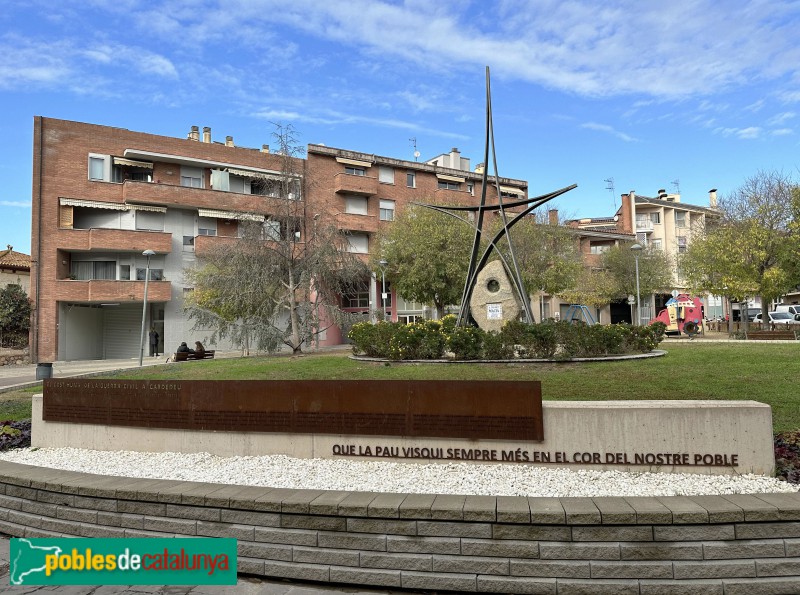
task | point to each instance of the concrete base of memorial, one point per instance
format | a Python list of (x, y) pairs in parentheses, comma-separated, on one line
[(708, 437)]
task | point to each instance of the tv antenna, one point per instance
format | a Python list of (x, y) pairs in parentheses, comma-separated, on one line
[(413, 141), (610, 187), (677, 183)]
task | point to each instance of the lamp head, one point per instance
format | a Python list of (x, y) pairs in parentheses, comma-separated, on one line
[(383, 262), (148, 253), (636, 247)]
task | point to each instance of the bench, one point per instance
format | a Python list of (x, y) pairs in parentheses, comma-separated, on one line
[(772, 335), (183, 356)]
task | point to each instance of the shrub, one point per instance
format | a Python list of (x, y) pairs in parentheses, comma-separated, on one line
[(496, 347), (465, 342), (418, 340), (372, 339), (15, 434)]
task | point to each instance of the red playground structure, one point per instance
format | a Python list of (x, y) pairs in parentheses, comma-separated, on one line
[(682, 314)]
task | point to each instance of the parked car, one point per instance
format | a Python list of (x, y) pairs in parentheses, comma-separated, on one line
[(793, 309), (779, 318)]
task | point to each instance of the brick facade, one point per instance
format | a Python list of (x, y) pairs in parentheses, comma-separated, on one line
[(78, 222)]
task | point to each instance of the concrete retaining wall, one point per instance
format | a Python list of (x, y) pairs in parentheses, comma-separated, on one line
[(710, 437), (737, 544)]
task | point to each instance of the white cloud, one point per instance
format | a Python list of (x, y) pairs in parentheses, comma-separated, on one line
[(782, 118), (608, 129), (750, 132), (782, 132), (15, 203)]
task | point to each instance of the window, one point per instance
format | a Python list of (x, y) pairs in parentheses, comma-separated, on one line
[(124, 272), (357, 298), (656, 244), (359, 243), (446, 185), (188, 243), (411, 179), (206, 226), (355, 205), (655, 218), (101, 269), (681, 244), (355, 171), (220, 180), (155, 274), (99, 167), (387, 210), (191, 177), (272, 230), (471, 188), (385, 175), (598, 248), (680, 218), (149, 221)]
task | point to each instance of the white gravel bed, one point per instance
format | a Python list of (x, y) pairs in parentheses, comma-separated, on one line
[(425, 478)]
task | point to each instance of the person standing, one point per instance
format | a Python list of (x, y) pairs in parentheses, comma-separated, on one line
[(153, 341)]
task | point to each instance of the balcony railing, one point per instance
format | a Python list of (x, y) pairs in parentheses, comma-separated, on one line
[(644, 225), (167, 195), (119, 240), (203, 245), (351, 222), (350, 184), (102, 291)]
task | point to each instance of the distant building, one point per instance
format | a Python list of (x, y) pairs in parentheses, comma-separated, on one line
[(662, 222), (15, 268)]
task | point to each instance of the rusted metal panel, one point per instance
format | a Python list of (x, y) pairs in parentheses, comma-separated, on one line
[(505, 410)]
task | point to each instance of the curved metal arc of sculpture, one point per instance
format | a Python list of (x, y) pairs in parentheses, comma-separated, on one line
[(534, 203)]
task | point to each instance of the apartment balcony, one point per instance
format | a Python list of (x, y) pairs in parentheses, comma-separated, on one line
[(118, 240), (350, 184), (645, 226), (167, 195), (350, 222), (102, 291), (203, 245)]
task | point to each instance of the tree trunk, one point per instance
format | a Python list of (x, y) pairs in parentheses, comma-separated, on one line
[(294, 321)]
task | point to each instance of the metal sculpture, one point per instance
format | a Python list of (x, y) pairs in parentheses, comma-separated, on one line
[(476, 264)]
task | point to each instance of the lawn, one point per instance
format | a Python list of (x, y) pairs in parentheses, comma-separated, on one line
[(765, 372)]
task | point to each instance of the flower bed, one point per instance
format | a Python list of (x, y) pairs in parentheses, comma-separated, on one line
[(433, 339)]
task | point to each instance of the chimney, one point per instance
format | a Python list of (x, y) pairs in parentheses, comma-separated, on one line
[(206, 134), (479, 168), (712, 198), (552, 216), (229, 141), (265, 148), (455, 158), (627, 213), (194, 133)]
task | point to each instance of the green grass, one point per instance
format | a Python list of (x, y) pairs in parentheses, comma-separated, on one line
[(726, 371)]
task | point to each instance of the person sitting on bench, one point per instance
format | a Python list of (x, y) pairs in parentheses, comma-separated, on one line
[(199, 350), (184, 348)]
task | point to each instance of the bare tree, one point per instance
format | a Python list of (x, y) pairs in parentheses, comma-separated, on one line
[(280, 283)]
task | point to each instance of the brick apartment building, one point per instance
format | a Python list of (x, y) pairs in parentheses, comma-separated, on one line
[(103, 195)]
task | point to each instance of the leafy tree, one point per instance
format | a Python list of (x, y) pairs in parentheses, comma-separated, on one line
[(428, 256), (279, 283), (619, 263), (593, 287), (755, 249), (15, 315), (547, 254)]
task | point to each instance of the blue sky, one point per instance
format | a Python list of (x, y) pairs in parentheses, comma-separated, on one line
[(692, 94)]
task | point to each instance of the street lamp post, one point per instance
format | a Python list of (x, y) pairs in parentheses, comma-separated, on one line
[(636, 249), (383, 263), (148, 254)]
